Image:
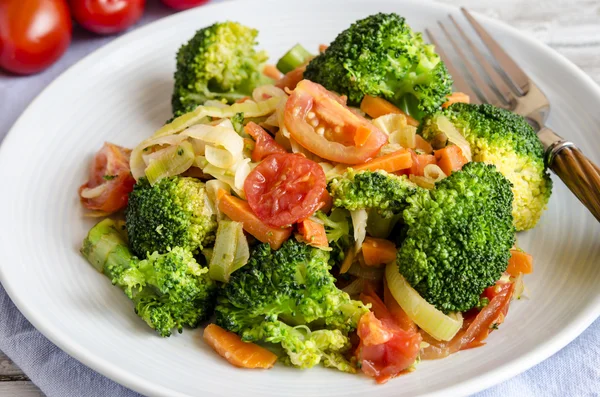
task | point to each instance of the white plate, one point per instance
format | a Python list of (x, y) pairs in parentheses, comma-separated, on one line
[(121, 93)]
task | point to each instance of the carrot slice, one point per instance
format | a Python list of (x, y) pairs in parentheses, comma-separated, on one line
[(397, 313), (423, 145), (456, 97), (272, 72), (450, 159), (519, 262), (239, 210), (239, 353), (361, 136), (376, 107), (291, 79), (313, 233), (391, 162), (378, 251), (322, 48)]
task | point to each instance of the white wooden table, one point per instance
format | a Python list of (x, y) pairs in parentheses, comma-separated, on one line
[(571, 27)]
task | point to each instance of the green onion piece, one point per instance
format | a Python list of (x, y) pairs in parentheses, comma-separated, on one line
[(223, 259), (295, 57), (242, 250), (173, 161), (425, 315), (453, 135)]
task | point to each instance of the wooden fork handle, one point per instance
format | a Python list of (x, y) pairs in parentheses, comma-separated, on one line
[(579, 173)]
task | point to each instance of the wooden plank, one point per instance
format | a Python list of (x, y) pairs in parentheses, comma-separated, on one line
[(9, 370), (20, 389)]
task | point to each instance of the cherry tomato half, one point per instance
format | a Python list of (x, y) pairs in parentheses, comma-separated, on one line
[(107, 16), (285, 188), (183, 4), (318, 120), (265, 144), (33, 34), (110, 180)]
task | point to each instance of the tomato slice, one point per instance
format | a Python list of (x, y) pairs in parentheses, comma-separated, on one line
[(265, 144), (285, 188), (110, 180), (319, 121)]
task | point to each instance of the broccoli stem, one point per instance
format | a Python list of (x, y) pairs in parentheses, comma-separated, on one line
[(106, 248), (294, 58)]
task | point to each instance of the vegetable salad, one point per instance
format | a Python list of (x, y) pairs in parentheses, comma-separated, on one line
[(343, 208)]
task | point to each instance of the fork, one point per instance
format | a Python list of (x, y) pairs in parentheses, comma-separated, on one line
[(510, 88)]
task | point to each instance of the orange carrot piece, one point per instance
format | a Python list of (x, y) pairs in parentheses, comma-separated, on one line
[(272, 72), (313, 233), (423, 145), (348, 259), (378, 251), (456, 97), (239, 210), (397, 313), (375, 107), (239, 353), (361, 136), (391, 162), (519, 262), (322, 48), (291, 79), (420, 161), (450, 159)]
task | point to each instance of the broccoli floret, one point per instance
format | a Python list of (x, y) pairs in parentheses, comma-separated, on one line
[(288, 296), (169, 290), (381, 56), (505, 139), (219, 62), (172, 213), (458, 237), (339, 233), (379, 190)]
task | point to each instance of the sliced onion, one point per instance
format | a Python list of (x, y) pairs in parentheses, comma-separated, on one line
[(425, 315), (90, 193), (336, 171), (355, 287), (215, 103), (422, 181), (297, 148), (454, 136), (221, 261), (269, 90), (433, 171), (173, 161), (218, 136), (241, 173), (249, 108), (221, 158), (212, 187), (359, 223), (520, 288), (136, 161)]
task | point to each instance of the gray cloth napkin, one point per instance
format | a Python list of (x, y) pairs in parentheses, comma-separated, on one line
[(574, 371)]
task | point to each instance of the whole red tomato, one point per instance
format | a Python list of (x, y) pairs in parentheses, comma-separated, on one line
[(33, 34), (107, 16), (184, 4)]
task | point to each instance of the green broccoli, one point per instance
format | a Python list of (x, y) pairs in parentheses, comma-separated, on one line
[(219, 62), (288, 296), (169, 291), (505, 139), (458, 237), (381, 56), (379, 190), (172, 213), (338, 228)]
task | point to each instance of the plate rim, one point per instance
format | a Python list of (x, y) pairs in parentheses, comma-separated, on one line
[(134, 382)]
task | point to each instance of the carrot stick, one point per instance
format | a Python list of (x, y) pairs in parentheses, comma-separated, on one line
[(391, 162), (239, 210), (375, 107), (456, 97), (519, 262), (450, 159), (322, 48), (241, 354), (313, 233), (272, 72), (378, 251), (420, 161)]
